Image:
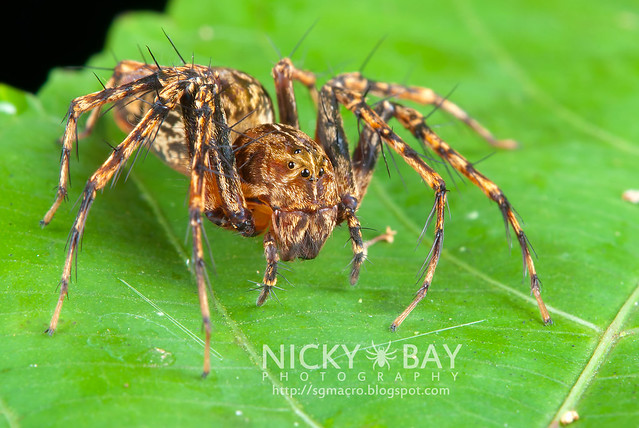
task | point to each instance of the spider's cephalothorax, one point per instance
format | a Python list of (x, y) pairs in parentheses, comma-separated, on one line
[(290, 188), (249, 174)]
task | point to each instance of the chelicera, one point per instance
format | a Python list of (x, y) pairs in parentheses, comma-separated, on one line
[(253, 175)]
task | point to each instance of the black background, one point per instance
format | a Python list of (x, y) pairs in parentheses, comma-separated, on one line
[(38, 35)]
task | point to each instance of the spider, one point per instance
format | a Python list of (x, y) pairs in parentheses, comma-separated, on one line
[(380, 355), (253, 175)]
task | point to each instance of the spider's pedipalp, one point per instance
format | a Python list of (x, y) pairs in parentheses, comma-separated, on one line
[(270, 274), (357, 244)]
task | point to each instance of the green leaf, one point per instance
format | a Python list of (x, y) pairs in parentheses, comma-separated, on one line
[(559, 78)]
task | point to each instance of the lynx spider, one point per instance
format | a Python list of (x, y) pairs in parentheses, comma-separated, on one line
[(252, 175)]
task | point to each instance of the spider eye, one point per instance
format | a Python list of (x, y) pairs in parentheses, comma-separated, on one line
[(297, 151), (291, 165), (321, 172), (305, 172)]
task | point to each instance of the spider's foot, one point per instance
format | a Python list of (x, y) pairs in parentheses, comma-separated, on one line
[(264, 294), (47, 218), (418, 297), (357, 265), (53, 324), (507, 144), (61, 196), (536, 291), (266, 291)]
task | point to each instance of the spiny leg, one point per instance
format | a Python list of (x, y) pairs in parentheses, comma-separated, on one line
[(213, 170), (270, 274), (224, 189), (356, 104), (414, 122), (363, 163), (284, 73), (359, 252), (358, 83), (367, 151), (195, 222), (124, 72), (98, 180), (79, 106), (330, 133), (200, 116)]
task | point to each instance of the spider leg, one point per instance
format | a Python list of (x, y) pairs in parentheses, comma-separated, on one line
[(415, 123), (199, 115), (215, 188), (124, 72), (358, 83), (77, 108), (98, 180), (223, 188), (330, 133), (284, 73), (363, 163), (270, 274), (356, 104), (359, 252), (367, 151), (215, 185)]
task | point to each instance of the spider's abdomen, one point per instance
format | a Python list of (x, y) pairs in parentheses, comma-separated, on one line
[(245, 102), (289, 186)]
